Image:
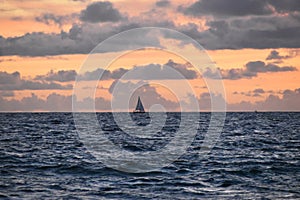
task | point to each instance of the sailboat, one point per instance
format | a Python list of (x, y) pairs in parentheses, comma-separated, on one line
[(139, 107)]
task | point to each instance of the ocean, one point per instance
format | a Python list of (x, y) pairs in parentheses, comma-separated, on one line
[(255, 157)]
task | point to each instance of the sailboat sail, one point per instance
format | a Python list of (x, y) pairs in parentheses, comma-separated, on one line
[(139, 106)]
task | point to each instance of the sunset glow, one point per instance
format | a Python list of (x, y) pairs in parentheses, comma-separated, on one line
[(44, 44)]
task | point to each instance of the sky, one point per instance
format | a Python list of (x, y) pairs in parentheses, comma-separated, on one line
[(253, 47)]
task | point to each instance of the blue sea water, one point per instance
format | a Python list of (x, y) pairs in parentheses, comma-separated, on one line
[(256, 157)]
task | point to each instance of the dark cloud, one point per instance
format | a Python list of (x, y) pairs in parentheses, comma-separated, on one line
[(75, 32), (286, 37), (41, 44), (26, 104), (227, 8), (50, 18), (274, 55), (100, 12), (54, 103), (118, 73), (106, 74), (144, 72), (251, 69), (205, 101), (165, 71), (186, 70), (258, 32), (13, 81), (288, 102), (7, 78), (219, 28), (60, 76), (259, 90), (7, 94), (80, 39), (270, 22), (94, 75), (259, 66), (148, 93), (163, 3), (254, 93), (285, 6), (231, 8), (57, 102), (241, 106)]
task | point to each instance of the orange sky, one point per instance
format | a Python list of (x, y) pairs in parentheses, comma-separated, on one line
[(17, 18)]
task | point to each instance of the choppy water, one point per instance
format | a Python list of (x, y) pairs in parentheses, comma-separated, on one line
[(256, 157)]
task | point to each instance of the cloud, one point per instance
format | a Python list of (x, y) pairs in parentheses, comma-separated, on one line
[(106, 74), (118, 73), (285, 6), (7, 78), (251, 69), (50, 18), (7, 94), (259, 66), (258, 32), (227, 8), (26, 104), (148, 94), (54, 103), (274, 55), (288, 102), (205, 101), (163, 3), (187, 70), (165, 71), (80, 39), (94, 75), (60, 76), (13, 81), (57, 102), (231, 8), (145, 72), (41, 44), (100, 12), (259, 91)]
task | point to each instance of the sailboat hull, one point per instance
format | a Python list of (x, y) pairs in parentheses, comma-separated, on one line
[(138, 111)]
